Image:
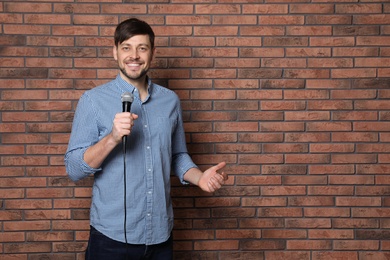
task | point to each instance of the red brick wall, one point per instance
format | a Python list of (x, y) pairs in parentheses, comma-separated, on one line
[(293, 95)]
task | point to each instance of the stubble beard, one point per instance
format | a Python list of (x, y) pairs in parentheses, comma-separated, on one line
[(136, 77)]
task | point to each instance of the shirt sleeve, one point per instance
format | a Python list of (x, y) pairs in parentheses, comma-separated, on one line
[(181, 160), (84, 134)]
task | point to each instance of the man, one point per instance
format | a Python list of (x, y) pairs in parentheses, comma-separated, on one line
[(131, 215)]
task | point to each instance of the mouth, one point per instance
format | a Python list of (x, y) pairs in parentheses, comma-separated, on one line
[(133, 66)]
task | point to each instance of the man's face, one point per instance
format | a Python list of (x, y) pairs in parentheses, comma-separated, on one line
[(134, 57)]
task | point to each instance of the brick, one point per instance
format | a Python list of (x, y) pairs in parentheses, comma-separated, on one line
[(312, 8), (234, 62), (262, 245), (28, 248), (335, 255), (94, 19), (296, 255), (352, 137), (23, 73), (43, 214), (330, 190), (280, 212), (235, 19), (329, 19), (200, 62), (310, 201), (372, 234), (237, 255), (307, 223), (22, 7), (47, 18), (330, 234), (263, 202), (330, 63), (378, 191), (372, 18), (49, 236), (12, 236), (189, 254), (184, 19), (261, 158), (283, 191), (11, 18), (12, 193), (283, 169), (262, 52), (64, 30), (276, 233), (122, 8), (308, 245), (326, 212), (374, 255), (242, 148), (353, 245), (298, 116), (309, 30), (12, 127), (355, 223), (50, 41), (70, 225), (210, 223), (69, 246), (233, 212), (282, 126), (281, 19), (258, 180), (265, 9), (76, 8), (194, 41), (52, 256), (347, 179), (312, 158)]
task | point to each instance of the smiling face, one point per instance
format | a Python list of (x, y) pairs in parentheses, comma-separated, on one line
[(134, 57)]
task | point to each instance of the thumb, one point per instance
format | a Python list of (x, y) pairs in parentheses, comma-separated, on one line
[(220, 165)]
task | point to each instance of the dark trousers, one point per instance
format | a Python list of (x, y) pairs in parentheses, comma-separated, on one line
[(101, 247)]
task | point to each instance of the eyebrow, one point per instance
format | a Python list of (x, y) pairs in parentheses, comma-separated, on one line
[(142, 44)]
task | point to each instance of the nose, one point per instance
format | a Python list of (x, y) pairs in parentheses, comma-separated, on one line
[(134, 54)]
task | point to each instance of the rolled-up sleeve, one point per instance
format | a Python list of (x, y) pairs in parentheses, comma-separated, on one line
[(181, 160), (84, 134)]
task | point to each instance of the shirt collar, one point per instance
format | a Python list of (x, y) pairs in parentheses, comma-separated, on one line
[(124, 86)]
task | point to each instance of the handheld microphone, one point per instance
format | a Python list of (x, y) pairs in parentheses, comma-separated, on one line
[(127, 99)]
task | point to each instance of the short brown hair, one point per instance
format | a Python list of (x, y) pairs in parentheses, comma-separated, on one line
[(131, 27)]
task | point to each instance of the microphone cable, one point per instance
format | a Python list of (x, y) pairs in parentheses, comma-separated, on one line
[(124, 195), (127, 98)]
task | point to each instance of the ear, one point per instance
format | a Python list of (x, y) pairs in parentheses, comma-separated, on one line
[(153, 52), (115, 52)]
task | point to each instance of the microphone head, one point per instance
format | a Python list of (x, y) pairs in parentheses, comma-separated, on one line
[(127, 97)]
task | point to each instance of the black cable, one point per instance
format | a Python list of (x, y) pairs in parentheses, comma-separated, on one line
[(124, 196)]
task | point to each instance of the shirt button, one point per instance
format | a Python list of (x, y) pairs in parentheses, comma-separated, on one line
[(146, 126), (150, 170), (149, 192), (147, 147)]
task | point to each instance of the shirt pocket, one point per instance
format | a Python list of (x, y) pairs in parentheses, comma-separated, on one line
[(162, 131)]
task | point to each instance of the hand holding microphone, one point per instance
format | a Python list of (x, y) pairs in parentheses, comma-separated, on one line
[(123, 122), (127, 100)]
